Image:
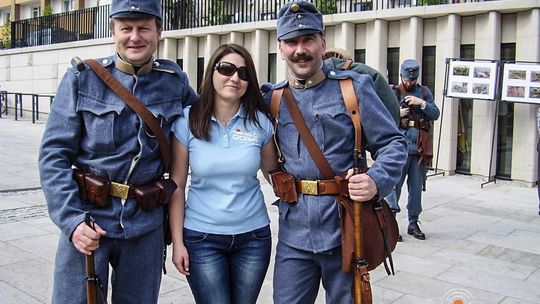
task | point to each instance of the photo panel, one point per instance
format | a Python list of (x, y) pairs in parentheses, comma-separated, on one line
[(521, 82), (472, 79)]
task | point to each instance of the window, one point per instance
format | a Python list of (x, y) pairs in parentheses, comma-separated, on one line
[(200, 72), (360, 56), (505, 125), (272, 69), (465, 115), (428, 67), (36, 11), (392, 64), (68, 5)]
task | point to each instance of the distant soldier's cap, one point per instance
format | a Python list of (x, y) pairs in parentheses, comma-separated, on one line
[(135, 9), (297, 18), (409, 69)]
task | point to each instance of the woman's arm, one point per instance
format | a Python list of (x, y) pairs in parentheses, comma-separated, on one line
[(269, 158), (179, 173)]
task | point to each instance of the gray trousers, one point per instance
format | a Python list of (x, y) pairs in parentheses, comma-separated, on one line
[(298, 274), (136, 269)]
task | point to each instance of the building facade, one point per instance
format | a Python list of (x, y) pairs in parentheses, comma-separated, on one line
[(483, 138)]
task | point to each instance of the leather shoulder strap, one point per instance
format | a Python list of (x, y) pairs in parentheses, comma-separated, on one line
[(307, 137), (275, 102), (351, 102), (137, 106)]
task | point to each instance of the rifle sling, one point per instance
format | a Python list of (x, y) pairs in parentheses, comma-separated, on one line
[(136, 105)]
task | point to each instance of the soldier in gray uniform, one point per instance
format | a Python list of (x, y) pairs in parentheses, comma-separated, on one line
[(309, 246), (92, 129)]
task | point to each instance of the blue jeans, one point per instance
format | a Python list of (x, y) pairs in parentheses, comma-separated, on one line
[(298, 274), (416, 174), (227, 269)]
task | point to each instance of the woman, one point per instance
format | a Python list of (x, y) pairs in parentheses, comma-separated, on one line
[(221, 236)]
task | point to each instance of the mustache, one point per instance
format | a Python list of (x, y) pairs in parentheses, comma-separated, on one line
[(301, 57)]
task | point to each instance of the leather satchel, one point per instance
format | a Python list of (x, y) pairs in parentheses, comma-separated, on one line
[(424, 144)]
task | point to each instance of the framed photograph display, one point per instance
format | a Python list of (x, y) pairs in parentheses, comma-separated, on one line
[(521, 82), (472, 79)]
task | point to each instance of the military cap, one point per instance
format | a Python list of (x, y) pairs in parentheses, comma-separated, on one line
[(135, 9), (297, 18), (409, 69)]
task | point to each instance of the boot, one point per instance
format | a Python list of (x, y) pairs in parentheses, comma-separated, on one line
[(415, 231)]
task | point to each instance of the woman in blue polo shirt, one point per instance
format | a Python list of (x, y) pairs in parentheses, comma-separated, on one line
[(221, 234)]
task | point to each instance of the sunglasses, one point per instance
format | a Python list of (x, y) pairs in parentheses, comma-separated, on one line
[(228, 69)]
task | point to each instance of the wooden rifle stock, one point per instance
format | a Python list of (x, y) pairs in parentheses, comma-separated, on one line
[(362, 287), (91, 290)]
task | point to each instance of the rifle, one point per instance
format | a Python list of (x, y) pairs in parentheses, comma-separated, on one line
[(362, 287), (92, 281)]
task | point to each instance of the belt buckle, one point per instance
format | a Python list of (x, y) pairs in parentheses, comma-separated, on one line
[(411, 123), (119, 190), (309, 187)]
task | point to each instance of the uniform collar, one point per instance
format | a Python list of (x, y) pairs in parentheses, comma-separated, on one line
[(311, 81), (130, 69)]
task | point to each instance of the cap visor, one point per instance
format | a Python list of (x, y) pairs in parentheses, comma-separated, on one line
[(298, 33), (132, 15)]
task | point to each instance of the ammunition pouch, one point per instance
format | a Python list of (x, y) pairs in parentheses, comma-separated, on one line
[(92, 188), (98, 190), (284, 186)]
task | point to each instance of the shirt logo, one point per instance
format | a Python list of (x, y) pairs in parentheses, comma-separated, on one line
[(241, 136)]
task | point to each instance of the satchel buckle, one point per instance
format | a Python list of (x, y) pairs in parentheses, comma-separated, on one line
[(309, 187), (119, 190), (411, 123)]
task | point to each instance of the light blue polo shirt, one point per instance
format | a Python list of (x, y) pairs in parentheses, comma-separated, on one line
[(225, 195)]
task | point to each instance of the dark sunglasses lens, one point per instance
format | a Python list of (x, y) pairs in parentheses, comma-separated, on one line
[(225, 68), (243, 73), (228, 69)]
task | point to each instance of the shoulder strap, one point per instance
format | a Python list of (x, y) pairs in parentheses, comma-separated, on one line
[(307, 137), (136, 105), (351, 102)]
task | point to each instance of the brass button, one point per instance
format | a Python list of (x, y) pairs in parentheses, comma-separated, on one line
[(295, 7)]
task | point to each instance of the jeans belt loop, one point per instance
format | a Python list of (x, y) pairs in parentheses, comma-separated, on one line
[(119, 190)]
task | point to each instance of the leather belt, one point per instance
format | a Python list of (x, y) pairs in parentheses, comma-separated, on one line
[(317, 187)]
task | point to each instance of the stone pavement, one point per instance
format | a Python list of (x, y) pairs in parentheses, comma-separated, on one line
[(482, 245)]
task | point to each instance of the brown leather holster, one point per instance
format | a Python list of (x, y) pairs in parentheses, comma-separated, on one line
[(99, 190)]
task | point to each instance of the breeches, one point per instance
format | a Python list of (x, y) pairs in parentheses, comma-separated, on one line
[(136, 269), (298, 273)]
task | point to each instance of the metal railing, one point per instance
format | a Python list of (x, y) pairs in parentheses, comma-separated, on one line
[(18, 104), (92, 23)]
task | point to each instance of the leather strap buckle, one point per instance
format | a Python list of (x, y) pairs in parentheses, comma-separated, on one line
[(310, 187), (119, 190)]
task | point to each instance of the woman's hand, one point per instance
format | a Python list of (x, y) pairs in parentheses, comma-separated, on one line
[(181, 258)]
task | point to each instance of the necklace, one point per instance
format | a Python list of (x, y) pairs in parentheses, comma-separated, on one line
[(224, 122)]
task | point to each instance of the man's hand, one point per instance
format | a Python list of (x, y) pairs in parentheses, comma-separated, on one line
[(404, 111), (361, 187), (85, 239), (413, 100)]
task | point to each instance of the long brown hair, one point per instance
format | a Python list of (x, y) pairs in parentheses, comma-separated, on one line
[(200, 114)]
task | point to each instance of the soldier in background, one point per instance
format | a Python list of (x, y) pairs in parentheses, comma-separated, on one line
[(417, 109), (93, 129)]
